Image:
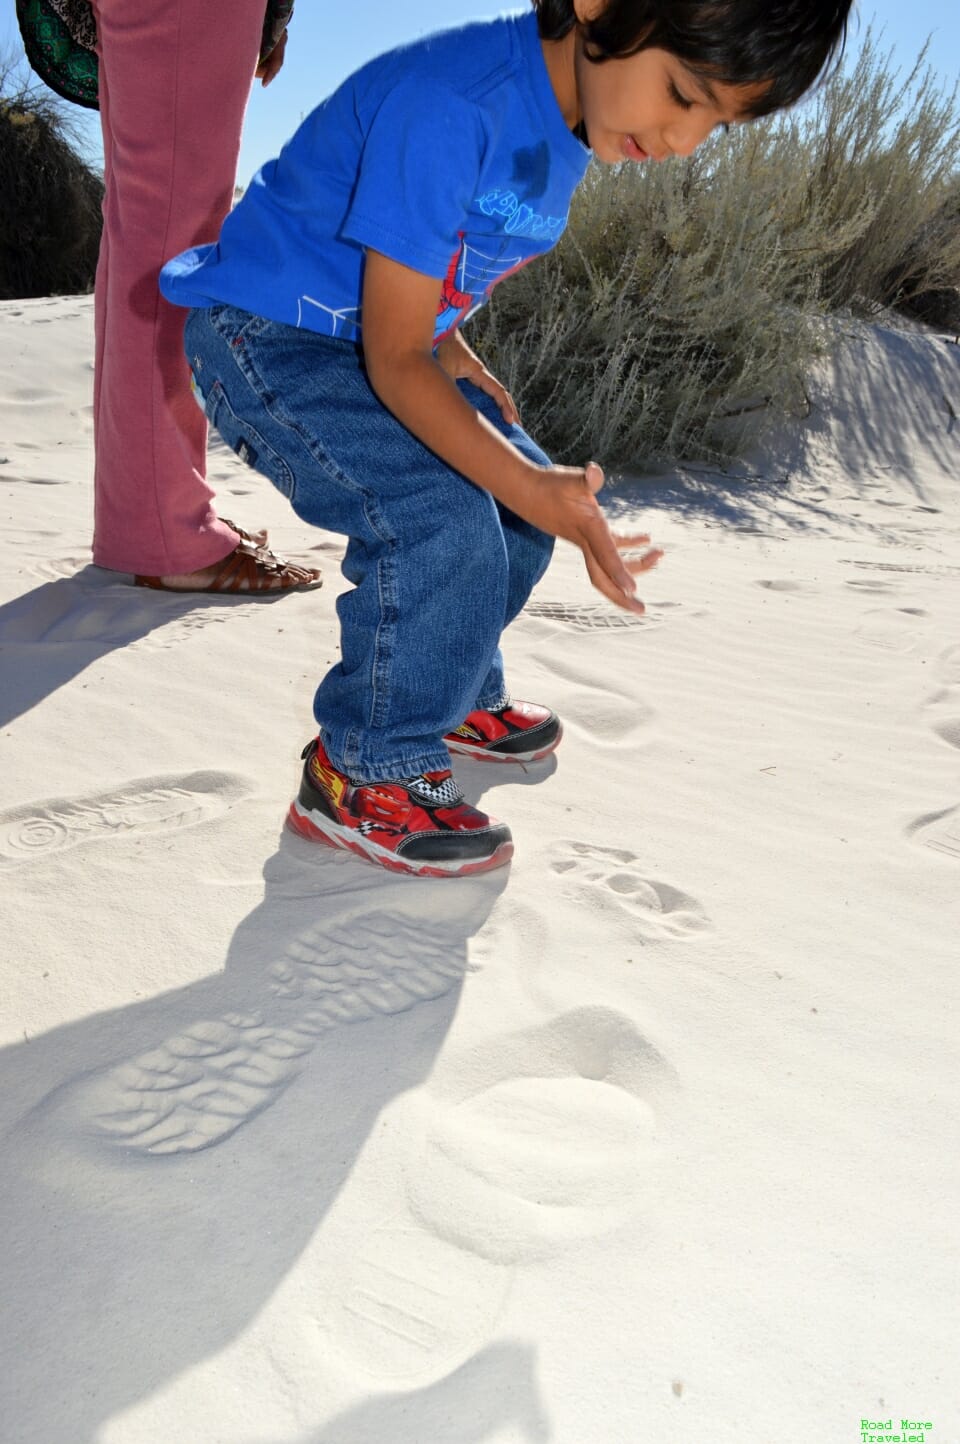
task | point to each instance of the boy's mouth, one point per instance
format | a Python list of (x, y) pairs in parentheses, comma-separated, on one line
[(632, 150)]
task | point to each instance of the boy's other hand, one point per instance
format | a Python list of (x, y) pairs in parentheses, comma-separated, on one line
[(463, 364), (269, 68), (565, 504)]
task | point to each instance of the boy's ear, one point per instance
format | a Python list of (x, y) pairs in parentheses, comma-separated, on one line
[(586, 10)]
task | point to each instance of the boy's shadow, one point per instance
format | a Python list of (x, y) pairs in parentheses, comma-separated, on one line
[(184, 1151)]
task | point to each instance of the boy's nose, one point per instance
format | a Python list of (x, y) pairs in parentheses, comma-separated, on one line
[(684, 136)]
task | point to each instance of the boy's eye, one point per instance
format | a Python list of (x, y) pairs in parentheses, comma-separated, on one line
[(679, 99)]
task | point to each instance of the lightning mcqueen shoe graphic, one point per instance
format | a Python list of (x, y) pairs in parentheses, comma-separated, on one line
[(418, 825)]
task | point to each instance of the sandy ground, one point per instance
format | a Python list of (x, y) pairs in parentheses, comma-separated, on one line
[(650, 1138)]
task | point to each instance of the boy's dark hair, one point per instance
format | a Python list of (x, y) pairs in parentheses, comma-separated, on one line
[(784, 45)]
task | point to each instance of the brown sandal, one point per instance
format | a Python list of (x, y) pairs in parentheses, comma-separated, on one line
[(249, 570), (256, 539)]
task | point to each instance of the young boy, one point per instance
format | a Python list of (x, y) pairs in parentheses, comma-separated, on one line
[(326, 348)]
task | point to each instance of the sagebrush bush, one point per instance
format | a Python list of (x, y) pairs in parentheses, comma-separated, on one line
[(686, 301), (885, 148), (50, 218)]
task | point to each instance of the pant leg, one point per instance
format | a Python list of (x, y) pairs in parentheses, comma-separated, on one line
[(428, 555), (175, 76)]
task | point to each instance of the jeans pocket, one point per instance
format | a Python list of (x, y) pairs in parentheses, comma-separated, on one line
[(247, 442)]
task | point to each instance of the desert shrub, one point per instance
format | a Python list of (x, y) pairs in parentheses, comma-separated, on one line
[(884, 146), (686, 301), (50, 198)]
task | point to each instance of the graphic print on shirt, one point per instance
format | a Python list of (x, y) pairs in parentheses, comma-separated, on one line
[(472, 272), (519, 218), (339, 317), (470, 278)]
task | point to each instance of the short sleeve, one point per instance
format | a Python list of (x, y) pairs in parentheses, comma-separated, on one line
[(418, 174)]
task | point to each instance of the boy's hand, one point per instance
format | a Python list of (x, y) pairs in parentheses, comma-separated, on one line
[(564, 503), (269, 68), (463, 364)]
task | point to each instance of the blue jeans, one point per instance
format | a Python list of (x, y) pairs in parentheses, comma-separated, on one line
[(438, 567)]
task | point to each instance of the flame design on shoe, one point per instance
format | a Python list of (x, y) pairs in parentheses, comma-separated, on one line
[(517, 732)]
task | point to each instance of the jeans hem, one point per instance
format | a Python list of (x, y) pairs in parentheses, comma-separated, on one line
[(394, 770), (494, 703)]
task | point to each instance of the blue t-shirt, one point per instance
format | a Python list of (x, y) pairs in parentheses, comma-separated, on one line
[(449, 155)]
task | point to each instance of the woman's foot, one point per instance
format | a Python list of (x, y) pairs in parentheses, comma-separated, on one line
[(249, 570)]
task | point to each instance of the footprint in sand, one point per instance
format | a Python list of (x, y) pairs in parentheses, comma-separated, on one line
[(939, 831), (587, 618), (591, 704), (545, 1136), (533, 1140), (199, 1086), (151, 804), (408, 1305), (892, 629), (375, 963), (591, 617), (602, 875), (606, 719), (786, 584)]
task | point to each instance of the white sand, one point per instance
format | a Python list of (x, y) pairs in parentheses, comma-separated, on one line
[(651, 1138)]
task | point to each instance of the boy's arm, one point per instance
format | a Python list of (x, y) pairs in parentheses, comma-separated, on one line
[(399, 312)]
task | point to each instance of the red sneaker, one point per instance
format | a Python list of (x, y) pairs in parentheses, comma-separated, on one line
[(420, 825), (519, 732)]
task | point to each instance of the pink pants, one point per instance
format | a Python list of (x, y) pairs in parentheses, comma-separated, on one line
[(175, 76)]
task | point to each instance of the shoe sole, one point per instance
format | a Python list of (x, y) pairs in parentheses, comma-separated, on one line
[(305, 824), (270, 594), (483, 754)]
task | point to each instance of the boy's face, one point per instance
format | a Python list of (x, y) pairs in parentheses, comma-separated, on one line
[(650, 106)]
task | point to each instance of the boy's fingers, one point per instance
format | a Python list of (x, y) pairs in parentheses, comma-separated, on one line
[(631, 543), (485, 381), (605, 584), (599, 546), (649, 559)]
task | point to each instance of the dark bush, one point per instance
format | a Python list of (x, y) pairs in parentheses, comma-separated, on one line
[(50, 219)]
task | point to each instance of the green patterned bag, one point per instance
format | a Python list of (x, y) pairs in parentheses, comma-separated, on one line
[(64, 63), (60, 37)]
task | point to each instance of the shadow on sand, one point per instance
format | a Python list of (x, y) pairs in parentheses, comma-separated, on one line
[(56, 631), (166, 1163)]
